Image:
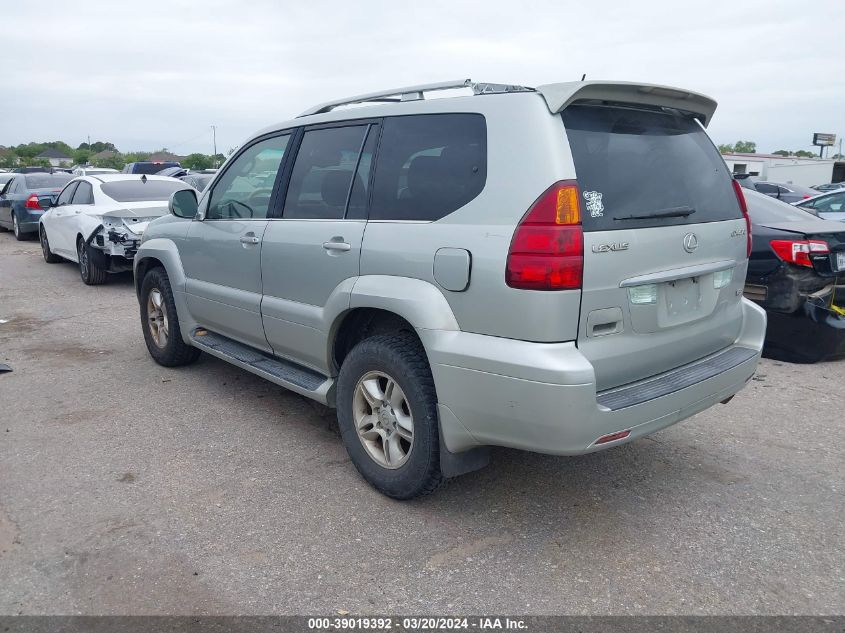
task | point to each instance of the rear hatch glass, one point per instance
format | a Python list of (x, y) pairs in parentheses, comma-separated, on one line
[(633, 163), (664, 241)]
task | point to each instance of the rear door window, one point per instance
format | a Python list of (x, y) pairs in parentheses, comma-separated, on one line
[(641, 168), (323, 173), (428, 166), (84, 194), (66, 195), (764, 187)]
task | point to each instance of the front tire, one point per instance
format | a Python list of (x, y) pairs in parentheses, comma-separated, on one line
[(387, 411), (160, 322), (49, 256), (90, 269)]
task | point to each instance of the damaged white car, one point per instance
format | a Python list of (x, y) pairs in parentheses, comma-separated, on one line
[(97, 221)]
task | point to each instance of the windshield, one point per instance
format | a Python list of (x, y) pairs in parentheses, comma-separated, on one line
[(637, 162), (138, 190), (45, 181)]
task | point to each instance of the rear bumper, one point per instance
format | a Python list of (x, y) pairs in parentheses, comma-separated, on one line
[(542, 397), (811, 334), (28, 220)]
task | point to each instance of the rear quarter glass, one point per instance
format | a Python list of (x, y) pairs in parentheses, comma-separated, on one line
[(634, 161)]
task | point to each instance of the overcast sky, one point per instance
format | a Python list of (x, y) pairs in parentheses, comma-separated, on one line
[(147, 75)]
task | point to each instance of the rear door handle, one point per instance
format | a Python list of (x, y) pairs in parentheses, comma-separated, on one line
[(249, 238), (337, 246)]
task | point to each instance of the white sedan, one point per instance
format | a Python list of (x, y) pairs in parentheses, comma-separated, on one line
[(98, 221)]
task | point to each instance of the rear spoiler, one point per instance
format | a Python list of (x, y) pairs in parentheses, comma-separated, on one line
[(558, 96)]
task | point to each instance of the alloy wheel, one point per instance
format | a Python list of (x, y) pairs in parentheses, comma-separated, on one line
[(383, 419), (157, 318)]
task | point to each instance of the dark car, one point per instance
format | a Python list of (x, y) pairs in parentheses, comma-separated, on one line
[(794, 272), (24, 198), (785, 192), (148, 167)]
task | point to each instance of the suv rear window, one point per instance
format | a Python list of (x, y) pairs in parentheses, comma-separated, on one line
[(428, 166), (138, 190), (636, 162)]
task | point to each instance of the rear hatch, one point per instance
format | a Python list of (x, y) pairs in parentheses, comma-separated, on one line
[(664, 240)]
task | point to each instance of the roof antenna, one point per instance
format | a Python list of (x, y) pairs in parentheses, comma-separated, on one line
[(143, 177), (583, 77)]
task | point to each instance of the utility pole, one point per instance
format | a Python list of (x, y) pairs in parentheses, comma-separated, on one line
[(214, 141)]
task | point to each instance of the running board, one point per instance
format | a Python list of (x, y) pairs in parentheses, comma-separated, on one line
[(285, 373), (676, 380)]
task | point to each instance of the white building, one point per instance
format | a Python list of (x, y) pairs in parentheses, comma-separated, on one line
[(786, 169)]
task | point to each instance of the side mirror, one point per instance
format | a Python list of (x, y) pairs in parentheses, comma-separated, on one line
[(183, 203), (45, 203)]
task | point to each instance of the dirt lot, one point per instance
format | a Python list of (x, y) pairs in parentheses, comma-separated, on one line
[(129, 488)]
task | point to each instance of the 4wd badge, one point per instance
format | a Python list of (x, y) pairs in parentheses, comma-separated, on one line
[(594, 204)]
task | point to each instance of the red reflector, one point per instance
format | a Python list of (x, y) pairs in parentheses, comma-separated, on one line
[(612, 437), (32, 202)]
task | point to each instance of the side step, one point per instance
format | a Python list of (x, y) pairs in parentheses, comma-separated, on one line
[(283, 372), (674, 380)]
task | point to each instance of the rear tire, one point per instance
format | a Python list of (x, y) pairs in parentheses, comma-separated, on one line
[(160, 322), (386, 397), (92, 273), (49, 256), (16, 229)]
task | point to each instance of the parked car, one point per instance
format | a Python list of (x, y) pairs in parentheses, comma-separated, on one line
[(88, 170), (24, 198), (198, 181), (784, 192), (98, 221), (557, 270), (828, 206), (147, 167), (797, 273), (833, 186), (173, 172)]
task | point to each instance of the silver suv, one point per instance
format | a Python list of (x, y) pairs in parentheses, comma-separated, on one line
[(557, 269)]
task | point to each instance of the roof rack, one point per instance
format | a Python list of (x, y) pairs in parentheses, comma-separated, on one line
[(415, 93)]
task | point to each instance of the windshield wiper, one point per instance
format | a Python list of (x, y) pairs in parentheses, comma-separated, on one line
[(672, 212)]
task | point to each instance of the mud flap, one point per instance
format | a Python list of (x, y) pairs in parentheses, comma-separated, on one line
[(456, 464)]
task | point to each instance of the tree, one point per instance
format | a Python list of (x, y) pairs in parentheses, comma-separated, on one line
[(802, 153), (196, 161), (838, 157), (783, 152), (745, 147), (81, 156), (726, 149)]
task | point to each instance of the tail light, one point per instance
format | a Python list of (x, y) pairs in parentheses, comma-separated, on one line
[(741, 199), (547, 250), (798, 251), (32, 202)]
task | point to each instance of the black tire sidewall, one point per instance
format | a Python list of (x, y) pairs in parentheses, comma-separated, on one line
[(421, 473), (176, 352)]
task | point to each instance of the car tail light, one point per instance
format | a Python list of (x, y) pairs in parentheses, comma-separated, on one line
[(32, 202), (741, 199), (547, 250), (798, 251)]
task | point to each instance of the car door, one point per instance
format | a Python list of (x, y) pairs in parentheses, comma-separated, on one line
[(56, 223), (314, 247), (221, 254), (6, 202)]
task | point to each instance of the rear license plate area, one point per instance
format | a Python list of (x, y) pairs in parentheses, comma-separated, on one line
[(839, 261), (681, 297)]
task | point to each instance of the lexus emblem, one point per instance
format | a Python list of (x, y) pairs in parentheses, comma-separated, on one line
[(690, 242)]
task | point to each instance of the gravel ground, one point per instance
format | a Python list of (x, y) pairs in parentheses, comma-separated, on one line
[(128, 488)]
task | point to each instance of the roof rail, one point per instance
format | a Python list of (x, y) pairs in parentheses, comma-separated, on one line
[(414, 93)]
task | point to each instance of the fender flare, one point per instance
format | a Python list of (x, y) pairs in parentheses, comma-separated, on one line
[(419, 302)]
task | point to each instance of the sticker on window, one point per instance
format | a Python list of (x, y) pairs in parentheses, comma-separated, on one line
[(594, 204)]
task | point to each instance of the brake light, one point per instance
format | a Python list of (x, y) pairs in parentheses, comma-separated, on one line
[(798, 251), (547, 249), (741, 199), (32, 202)]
